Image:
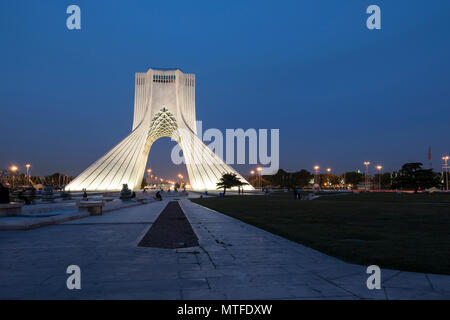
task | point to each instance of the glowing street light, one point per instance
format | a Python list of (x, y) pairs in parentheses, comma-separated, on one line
[(328, 170)]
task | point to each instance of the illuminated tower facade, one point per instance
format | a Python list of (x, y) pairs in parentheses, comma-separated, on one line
[(164, 106)]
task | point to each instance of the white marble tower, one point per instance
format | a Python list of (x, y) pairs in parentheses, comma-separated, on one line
[(164, 106)]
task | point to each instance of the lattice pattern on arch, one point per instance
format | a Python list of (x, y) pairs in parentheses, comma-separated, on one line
[(163, 124)]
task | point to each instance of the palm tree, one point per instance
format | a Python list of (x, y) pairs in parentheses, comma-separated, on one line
[(228, 180)]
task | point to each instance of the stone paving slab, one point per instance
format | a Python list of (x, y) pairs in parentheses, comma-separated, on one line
[(234, 260), (34, 215), (26, 223), (133, 214)]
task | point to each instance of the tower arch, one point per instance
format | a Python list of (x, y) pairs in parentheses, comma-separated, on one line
[(164, 107)]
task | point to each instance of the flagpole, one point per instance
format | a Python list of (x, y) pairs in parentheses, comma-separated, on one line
[(429, 157)]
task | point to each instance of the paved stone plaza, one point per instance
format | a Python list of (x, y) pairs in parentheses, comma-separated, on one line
[(234, 261)]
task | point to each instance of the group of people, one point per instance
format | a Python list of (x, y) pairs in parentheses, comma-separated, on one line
[(24, 195)]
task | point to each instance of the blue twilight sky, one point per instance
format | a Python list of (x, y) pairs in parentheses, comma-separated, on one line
[(339, 93)]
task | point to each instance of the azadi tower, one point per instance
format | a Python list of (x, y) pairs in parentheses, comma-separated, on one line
[(164, 106)]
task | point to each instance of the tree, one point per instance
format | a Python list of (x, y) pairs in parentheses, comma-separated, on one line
[(384, 179), (301, 178), (413, 176), (277, 179), (333, 179), (36, 180), (228, 180), (288, 179), (329, 180), (53, 179), (353, 178)]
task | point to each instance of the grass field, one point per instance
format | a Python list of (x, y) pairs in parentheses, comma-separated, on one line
[(408, 232)]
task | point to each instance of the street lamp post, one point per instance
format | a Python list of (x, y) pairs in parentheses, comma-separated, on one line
[(149, 171), (252, 172), (445, 158), (28, 172), (180, 176), (366, 180), (13, 170), (316, 173), (328, 178), (259, 169), (379, 176)]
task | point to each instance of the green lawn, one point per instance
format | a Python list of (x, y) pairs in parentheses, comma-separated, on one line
[(409, 232)]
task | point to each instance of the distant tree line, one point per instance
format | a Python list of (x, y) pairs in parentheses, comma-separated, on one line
[(410, 177), (57, 180)]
